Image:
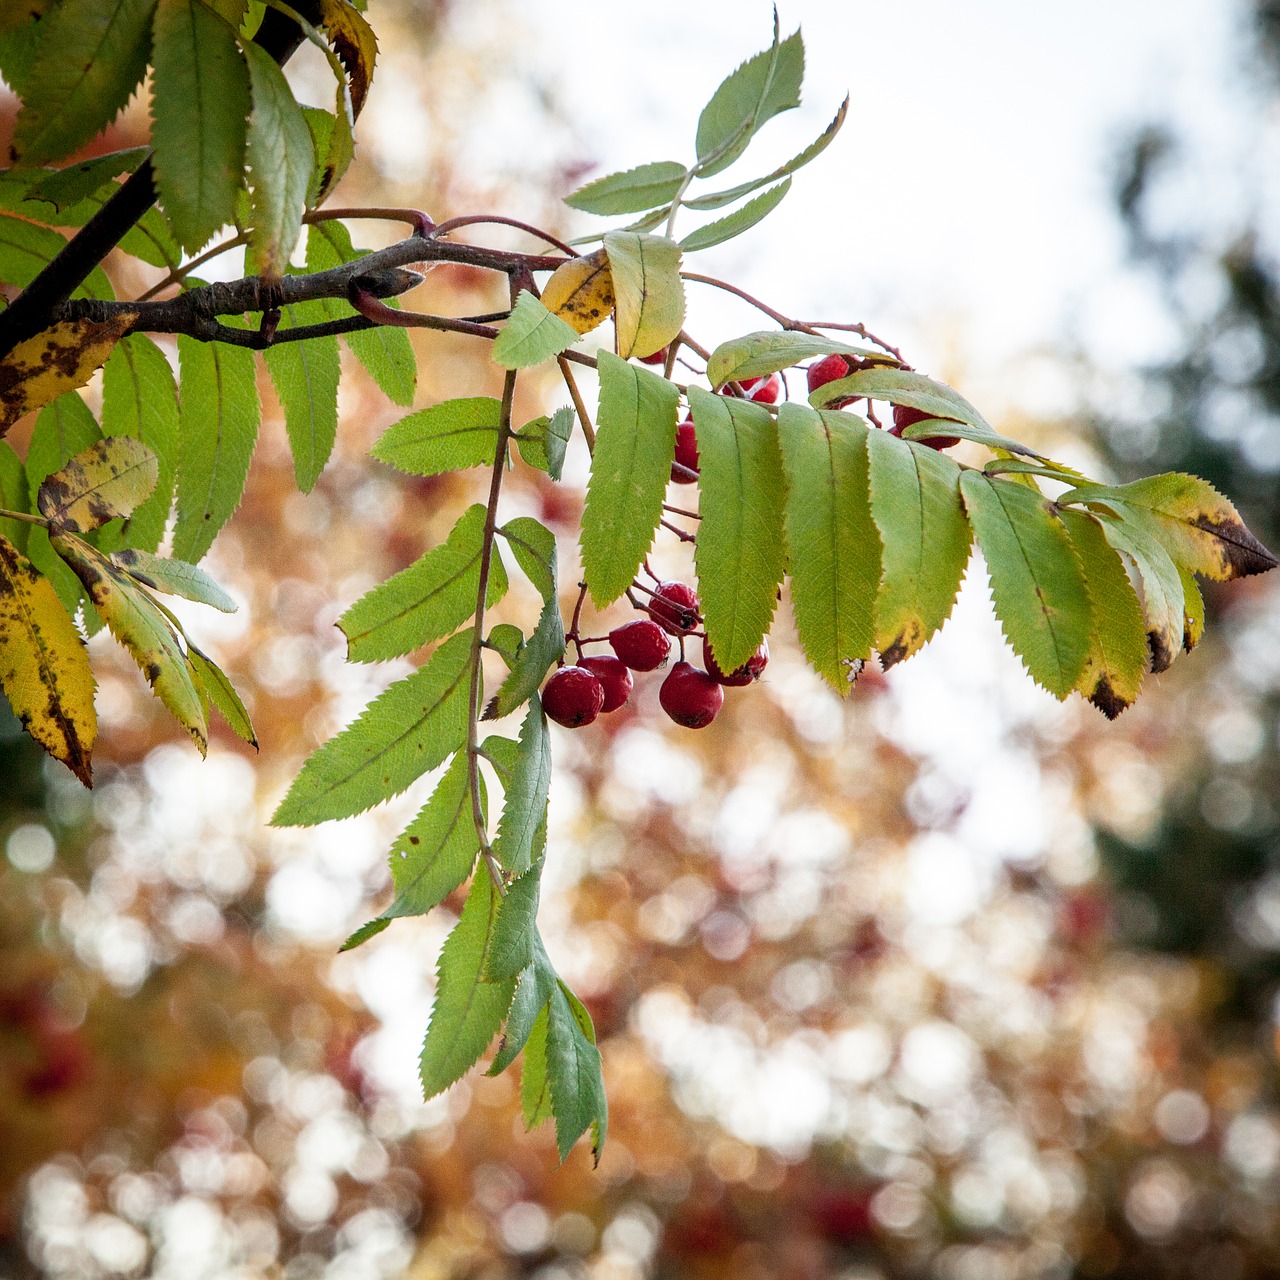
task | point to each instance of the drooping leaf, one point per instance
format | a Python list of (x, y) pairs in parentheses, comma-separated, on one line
[(735, 223), (222, 694), (468, 1011), (507, 641), (532, 663), (631, 191), (1199, 528), (44, 666), (513, 948), (1117, 657), (139, 625), (915, 503), (437, 851), (524, 807), (140, 399), (104, 482), (1036, 582), (574, 1074), (426, 601), (200, 105), (542, 442), (531, 335), (757, 91), (281, 159), (912, 389), (581, 292), (91, 56), (409, 729), (305, 376), (57, 360), (635, 444), (26, 249), (833, 549), (173, 577), (535, 1089), (217, 429), (364, 933), (65, 188), (355, 43), (756, 355), (534, 546), (647, 289), (1192, 610), (445, 437), (740, 551), (533, 991)]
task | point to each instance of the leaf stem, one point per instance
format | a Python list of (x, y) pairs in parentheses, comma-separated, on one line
[(178, 274), (472, 219), (675, 203), (25, 517), (588, 431)]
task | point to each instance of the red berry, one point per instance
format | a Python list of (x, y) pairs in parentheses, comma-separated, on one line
[(827, 370), (763, 390), (686, 459), (658, 357), (573, 697), (642, 645), (674, 606), (904, 416), (750, 671), (690, 696), (613, 675)]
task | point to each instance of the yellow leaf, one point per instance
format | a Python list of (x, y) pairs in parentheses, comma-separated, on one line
[(581, 291), (141, 626), (354, 42), (44, 665), (37, 371), (102, 482), (648, 291)]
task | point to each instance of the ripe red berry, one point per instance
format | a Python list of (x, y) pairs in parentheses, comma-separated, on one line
[(762, 390), (827, 370), (658, 357), (690, 696), (904, 416), (674, 606), (750, 671), (573, 697), (613, 675), (642, 645), (686, 459)]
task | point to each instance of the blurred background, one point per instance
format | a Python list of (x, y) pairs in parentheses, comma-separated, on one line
[(950, 981)]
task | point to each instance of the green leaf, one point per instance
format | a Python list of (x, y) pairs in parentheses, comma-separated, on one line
[(139, 624), (305, 376), (524, 807), (468, 1010), (402, 734), (918, 392), (1193, 610), (139, 399), (445, 437), (1163, 596), (67, 187), (426, 601), (506, 640), (102, 482), (223, 695), (719, 199), (281, 158), (532, 663), (1199, 528), (91, 56), (833, 549), (915, 503), (1036, 582), (757, 91), (531, 335), (635, 444), (437, 851), (543, 441), (25, 251), (199, 108), (533, 990), (1117, 657), (574, 1074), (631, 191), (756, 355), (535, 1091), (217, 431), (534, 546), (513, 948), (648, 292), (14, 496), (18, 48), (738, 221), (385, 350), (366, 931), (739, 552), (173, 577)]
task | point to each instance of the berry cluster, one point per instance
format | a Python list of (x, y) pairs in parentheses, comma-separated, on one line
[(691, 696)]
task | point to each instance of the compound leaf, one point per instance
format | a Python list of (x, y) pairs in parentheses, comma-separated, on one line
[(648, 292), (445, 437)]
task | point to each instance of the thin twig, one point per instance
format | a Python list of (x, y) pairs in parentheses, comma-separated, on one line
[(683, 534), (178, 274), (588, 431), (473, 219)]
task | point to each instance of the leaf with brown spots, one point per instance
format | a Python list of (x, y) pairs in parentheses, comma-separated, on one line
[(103, 482), (44, 665), (57, 360), (1192, 610), (354, 42), (138, 622), (581, 291), (1199, 528)]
